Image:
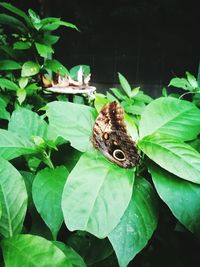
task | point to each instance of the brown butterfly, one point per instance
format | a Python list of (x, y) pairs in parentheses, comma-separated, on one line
[(111, 138)]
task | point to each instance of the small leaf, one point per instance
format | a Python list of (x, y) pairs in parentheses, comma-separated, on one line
[(171, 116), (76, 124), (141, 216), (51, 24), (94, 190), (50, 39), (47, 191), (13, 199), (125, 85), (8, 64), (23, 82), (4, 114), (182, 197), (192, 80), (180, 83), (30, 68), (20, 45), (5, 83), (135, 91), (74, 71), (31, 250), (118, 93), (174, 156), (55, 66), (21, 95), (43, 50), (100, 101)]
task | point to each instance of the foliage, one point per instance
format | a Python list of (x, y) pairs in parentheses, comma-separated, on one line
[(62, 203)]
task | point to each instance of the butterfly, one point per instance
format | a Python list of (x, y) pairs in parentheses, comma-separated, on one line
[(111, 138)]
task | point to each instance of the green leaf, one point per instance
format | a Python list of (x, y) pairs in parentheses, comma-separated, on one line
[(181, 83), (52, 24), (4, 114), (8, 64), (31, 250), (20, 45), (192, 80), (23, 82), (16, 11), (32, 88), (99, 101), (141, 216), (55, 66), (12, 22), (21, 95), (30, 68), (28, 178), (142, 97), (74, 71), (182, 197), (47, 192), (73, 122), (27, 124), (125, 85), (135, 91), (43, 50), (5, 83), (118, 93), (85, 244), (13, 199), (94, 190), (171, 116), (50, 39), (172, 155), (35, 19), (133, 106), (13, 145), (131, 127), (71, 254)]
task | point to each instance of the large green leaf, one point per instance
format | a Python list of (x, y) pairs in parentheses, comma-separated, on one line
[(94, 191), (27, 123), (47, 192), (8, 64), (182, 197), (30, 68), (171, 116), (13, 145), (4, 114), (32, 251), (73, 122), (137, 224), (13, 198), (174, 156)]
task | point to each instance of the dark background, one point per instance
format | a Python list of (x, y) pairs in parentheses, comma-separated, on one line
[(149, 42)]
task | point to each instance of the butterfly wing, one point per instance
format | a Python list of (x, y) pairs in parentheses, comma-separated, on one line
[(111, 138)]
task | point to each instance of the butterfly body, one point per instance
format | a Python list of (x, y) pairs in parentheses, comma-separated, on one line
[(111, 138)]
